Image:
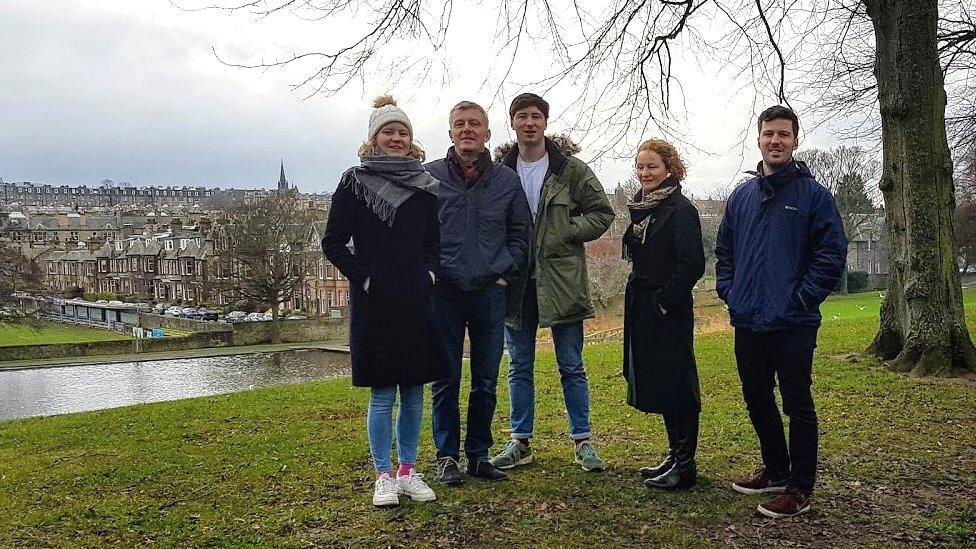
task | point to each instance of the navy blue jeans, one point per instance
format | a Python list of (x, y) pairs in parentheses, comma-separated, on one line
[(482, 314)]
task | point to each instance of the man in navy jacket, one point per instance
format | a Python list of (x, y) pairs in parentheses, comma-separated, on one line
[(781, 250), (485, 226)]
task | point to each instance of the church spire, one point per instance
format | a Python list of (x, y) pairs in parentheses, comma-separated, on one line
[(282, 182)]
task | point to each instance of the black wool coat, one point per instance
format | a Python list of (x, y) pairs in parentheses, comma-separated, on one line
[(391, 336), (659, 355)]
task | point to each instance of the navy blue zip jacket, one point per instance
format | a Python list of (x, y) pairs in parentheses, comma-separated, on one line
[(781, 250), (485, 227)]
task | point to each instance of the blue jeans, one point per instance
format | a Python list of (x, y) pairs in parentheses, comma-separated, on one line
[(568, 341), (482, 313), (379, 424)]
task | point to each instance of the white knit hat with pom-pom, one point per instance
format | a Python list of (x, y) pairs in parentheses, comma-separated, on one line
[(384, 112)]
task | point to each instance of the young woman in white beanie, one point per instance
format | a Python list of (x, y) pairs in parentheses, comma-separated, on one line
[(388, 206)]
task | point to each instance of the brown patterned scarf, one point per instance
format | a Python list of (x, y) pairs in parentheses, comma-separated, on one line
[(471, 174), (647, 202)]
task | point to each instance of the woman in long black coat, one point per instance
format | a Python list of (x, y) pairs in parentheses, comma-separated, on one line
[(388, 207), (664, 244)]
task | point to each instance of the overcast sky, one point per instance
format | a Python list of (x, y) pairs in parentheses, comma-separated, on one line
[(132, 91)]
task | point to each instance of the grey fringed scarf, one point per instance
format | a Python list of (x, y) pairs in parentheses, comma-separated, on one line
[(386, 182)]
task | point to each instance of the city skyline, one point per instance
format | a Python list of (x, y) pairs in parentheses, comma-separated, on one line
[(274, 183)]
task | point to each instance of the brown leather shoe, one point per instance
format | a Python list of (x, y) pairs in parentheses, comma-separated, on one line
[(790, 503), (759, 482)]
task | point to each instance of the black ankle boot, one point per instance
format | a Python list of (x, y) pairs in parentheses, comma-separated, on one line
[(660, 469), (668, 463), (684, 473), (676, 478)]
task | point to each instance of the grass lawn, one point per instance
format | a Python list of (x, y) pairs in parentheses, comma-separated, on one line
[(53, 332), (289, 466)]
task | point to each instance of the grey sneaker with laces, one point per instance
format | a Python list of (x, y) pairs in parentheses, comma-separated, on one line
[(448, 471), (587, 458), (512, 455)]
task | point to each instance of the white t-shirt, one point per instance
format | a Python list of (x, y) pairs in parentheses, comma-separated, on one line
[(533, 175)]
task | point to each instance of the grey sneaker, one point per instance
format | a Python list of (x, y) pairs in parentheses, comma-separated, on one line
[(512, 455), (587, 458), (448, 471)]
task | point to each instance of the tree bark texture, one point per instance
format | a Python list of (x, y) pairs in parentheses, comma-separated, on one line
[(923, 328), (842, 285), (275, 322)]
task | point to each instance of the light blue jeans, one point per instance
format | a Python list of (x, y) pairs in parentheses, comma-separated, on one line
[(379, 424), (568, 341)]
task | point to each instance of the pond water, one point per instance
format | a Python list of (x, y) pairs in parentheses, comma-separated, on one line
[(50, 391)]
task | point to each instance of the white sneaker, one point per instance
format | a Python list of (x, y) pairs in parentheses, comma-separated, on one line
[(414, 487), (385, 494)]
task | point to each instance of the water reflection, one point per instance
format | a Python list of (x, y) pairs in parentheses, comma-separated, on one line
[(49, 391)]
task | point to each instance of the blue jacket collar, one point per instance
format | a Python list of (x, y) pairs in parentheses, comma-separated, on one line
[(796, 168), (767, 184)]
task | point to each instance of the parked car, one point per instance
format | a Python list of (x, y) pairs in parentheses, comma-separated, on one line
[(208, 314), (235, 316), (160, 308), (174, 311), (255, 317), (190, 312)]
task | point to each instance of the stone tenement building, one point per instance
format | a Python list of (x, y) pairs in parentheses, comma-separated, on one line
[(177, 266), (154, 243), (35, 232), (28, 194)]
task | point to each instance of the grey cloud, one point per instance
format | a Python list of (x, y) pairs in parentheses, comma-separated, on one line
[(86, 95)]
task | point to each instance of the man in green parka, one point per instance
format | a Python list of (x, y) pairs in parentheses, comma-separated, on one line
[(569, 207)]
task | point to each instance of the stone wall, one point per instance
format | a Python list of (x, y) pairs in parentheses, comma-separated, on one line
[(292, 331), (64, 350), (121, 347), (148, 320), (198, 340), (253, 333), (220, 335)]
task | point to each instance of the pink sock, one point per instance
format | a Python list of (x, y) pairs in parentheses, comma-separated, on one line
[(404, 469)]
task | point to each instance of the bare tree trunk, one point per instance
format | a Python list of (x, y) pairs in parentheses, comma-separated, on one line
[(842, 287), (275, 323), (923, 329)]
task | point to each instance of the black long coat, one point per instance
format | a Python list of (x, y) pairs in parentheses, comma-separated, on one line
[(391, 336), (659, 354)]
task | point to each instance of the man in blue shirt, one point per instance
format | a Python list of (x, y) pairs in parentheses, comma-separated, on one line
[(781, 250)]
